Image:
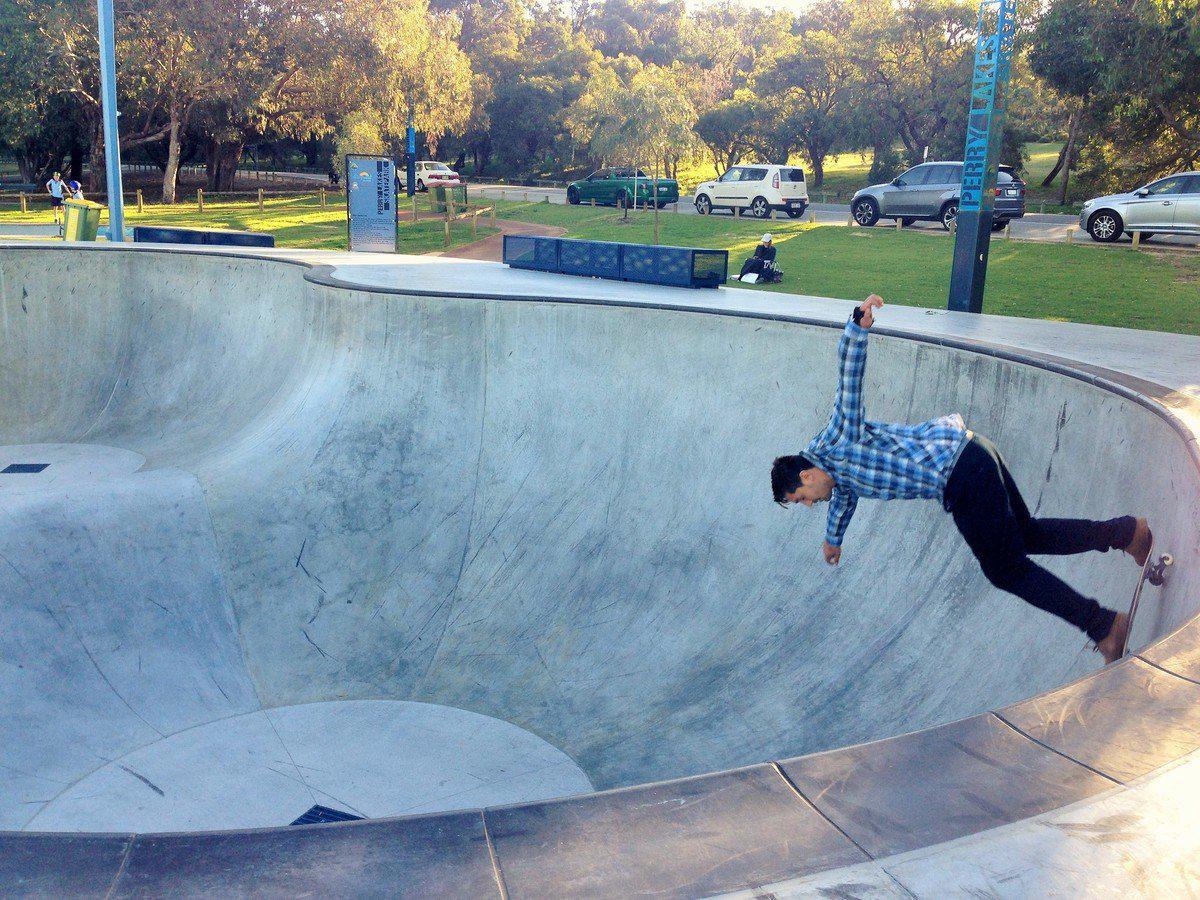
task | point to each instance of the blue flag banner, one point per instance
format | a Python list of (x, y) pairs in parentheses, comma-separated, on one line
[(371, 203), (981, 155)]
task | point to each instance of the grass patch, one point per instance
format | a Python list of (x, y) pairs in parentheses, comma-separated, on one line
[(1058, 282), (294, 221)]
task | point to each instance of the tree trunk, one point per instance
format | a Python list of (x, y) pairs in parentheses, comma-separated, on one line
[(1065, 153), (223, 160), (1070, 157), (171, 172), (76, 165), (96, 175), (818, 168)]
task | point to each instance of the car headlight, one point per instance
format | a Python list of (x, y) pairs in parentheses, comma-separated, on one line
[(1087, 203)]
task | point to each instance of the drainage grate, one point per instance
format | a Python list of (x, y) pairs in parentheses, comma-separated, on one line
[(319, 814), (24, 468)]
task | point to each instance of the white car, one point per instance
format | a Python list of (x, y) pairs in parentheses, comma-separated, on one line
[(435, 174), (1170, 205), (758, 189)]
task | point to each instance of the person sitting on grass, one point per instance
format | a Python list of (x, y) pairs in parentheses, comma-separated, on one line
[(762, 262), (855, 458)]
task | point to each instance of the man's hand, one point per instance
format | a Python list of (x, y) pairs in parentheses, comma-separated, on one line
[(868, 308), (832, 554)]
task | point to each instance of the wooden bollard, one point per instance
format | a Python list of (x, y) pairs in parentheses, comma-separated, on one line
[(527, 196), (446, 240), (850, 220), (414, 206), (1008, 231), (24, 202), (322, 193), (1071, 236), (260, 199), (593, 203), (1137, 239), (899, 223), (140, 201), (200, 199), (737, 212), (492, 214), (475, 225)]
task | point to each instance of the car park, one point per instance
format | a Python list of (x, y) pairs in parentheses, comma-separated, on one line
[(623, 187), (758, 189), (931, 192), (435, 174), (1169, 205)]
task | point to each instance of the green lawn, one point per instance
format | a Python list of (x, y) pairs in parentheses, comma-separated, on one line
[(1150, 289), (295, 222)]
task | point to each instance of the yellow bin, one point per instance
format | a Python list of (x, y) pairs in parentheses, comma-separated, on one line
[(82, 220)]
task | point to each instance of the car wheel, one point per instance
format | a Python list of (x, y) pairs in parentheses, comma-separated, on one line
[(703, 205), (865, 212), (1105, 226), (573, 196), (760, 208), (949, 216), (421, 186)]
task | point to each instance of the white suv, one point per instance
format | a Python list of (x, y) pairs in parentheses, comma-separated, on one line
[(758, 189), (1170, 205)]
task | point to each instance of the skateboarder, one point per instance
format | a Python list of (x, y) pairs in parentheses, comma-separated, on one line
[(854, 457)]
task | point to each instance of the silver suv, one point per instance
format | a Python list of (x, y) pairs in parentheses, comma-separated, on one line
[(1170, 205), (930, 192)]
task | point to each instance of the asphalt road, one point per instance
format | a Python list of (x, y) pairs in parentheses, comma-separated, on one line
[(1033, 227)]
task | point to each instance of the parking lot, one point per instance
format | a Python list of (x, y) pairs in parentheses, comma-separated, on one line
[(1046, 227)]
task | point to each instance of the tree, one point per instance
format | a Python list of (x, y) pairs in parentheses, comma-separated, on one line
[(915, 61), (809, 93), (725, 129), (1064, 53)]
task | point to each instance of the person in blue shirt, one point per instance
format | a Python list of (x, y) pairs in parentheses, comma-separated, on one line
[(942, 460)]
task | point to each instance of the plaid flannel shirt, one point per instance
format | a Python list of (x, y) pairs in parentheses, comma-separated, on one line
[(878, 460)]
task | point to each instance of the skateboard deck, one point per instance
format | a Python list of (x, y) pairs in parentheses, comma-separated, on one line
[(1154, 570)]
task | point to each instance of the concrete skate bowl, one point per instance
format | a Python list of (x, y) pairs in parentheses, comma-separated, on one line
[(503, 576)]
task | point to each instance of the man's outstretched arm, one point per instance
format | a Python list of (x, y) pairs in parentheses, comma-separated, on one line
[(841, 508), (847, 419)]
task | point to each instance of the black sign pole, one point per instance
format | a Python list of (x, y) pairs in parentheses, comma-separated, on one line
[(985, 126)]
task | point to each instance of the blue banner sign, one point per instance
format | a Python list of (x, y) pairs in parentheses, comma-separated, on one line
[(985, 125), (371, 203), (985, 122)]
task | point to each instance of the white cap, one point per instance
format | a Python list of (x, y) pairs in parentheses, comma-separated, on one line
[(766, 239)]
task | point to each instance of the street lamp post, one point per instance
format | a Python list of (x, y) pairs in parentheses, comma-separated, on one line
[(112, 136)]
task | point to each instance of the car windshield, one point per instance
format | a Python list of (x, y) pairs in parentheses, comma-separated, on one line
[(734, 174)]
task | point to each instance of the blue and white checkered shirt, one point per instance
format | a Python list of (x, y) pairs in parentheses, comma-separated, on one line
[(878, 460)]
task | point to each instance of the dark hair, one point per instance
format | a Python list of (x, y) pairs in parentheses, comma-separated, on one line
[(785, 475)]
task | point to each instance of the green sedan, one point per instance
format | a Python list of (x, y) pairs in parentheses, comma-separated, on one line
[(620, 187)]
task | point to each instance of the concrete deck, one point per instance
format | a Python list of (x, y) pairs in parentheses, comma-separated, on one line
[(287, 481)]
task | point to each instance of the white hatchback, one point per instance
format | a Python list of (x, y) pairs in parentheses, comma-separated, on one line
[(757, 189)]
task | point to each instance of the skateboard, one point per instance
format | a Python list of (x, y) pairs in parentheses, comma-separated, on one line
[(1154, 570)]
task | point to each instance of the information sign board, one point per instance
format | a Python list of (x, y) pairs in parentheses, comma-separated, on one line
[(371, 203)]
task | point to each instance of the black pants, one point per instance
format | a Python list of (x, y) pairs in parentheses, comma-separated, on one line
[(987, 508), (752, 265)]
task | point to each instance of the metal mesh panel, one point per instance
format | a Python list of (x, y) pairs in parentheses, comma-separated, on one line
[(710, 267)]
